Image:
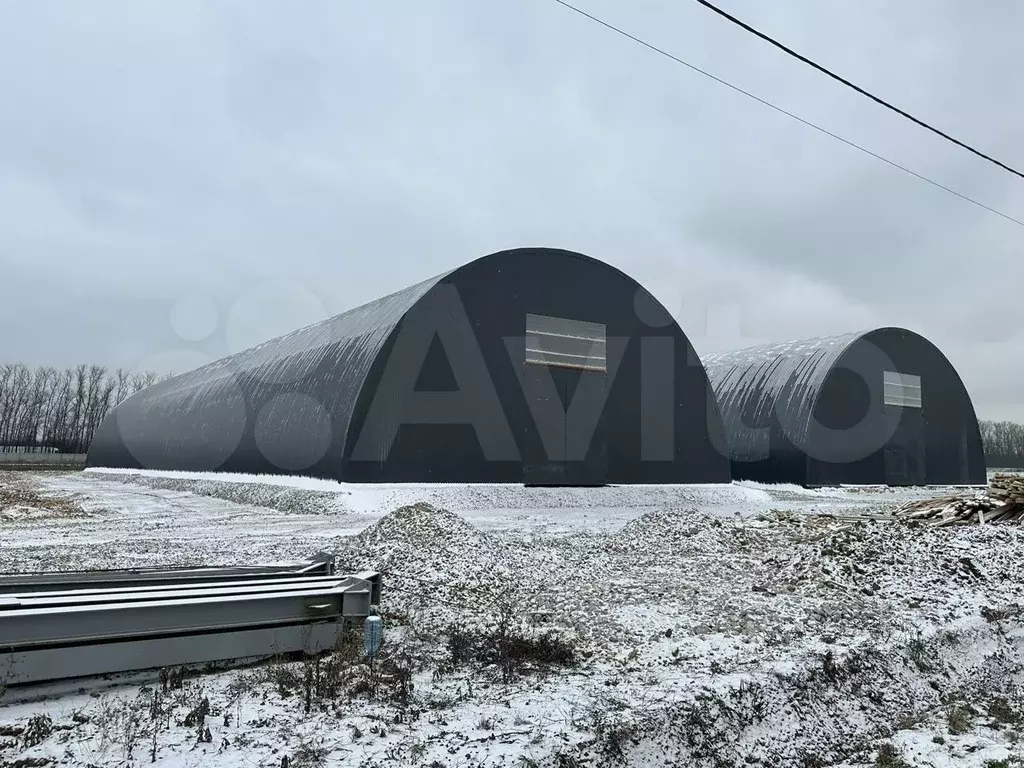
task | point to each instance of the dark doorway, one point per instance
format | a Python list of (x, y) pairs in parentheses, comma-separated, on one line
[(578, 452), (905, 453), (565, 382), (587, 451)]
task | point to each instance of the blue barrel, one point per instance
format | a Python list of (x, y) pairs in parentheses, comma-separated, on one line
[(373, 629)]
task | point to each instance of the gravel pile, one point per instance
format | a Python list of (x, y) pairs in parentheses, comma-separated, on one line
[(675, 572), (280, 497)]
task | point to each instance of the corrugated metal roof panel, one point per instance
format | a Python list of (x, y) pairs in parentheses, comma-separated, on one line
[(200, 416), (785, 378)]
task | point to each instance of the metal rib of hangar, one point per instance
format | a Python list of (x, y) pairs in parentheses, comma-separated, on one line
[(532, 365), (878, 407)]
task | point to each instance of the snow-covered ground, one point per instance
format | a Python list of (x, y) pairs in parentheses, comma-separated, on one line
[(698, 625)]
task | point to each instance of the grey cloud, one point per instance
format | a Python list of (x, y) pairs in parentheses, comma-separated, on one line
[(148, 150)]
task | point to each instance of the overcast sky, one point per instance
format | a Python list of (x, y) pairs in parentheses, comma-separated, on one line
[(180, 180)]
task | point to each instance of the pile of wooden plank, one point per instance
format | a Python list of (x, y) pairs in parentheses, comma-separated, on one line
[(1009, 489), (950, 510), (1003, 502)]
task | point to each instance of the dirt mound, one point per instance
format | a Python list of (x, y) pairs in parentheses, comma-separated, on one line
[(679, 531), (670, 524), (422, 526), (283, 498), (430, 550)]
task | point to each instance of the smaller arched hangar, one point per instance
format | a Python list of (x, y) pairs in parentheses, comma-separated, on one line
[(875, 407)]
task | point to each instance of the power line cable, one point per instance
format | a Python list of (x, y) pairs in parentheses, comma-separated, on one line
[(787, 113), (857, 88)]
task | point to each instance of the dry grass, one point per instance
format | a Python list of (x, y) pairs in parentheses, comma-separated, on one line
[(959, 719), (19, 498), (889, 757)]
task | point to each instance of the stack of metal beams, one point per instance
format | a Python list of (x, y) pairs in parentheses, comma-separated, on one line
[(73, 624)]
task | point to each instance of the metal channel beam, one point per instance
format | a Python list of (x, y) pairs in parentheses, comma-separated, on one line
[(164, 592), (375, 578), (24, 628), (322, 565), (40, 665)]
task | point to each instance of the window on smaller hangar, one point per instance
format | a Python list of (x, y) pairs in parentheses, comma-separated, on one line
[(901, 389), (561, 343)]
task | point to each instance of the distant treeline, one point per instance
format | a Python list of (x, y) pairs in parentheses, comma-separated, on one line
[(1004, 443), (58, 409)]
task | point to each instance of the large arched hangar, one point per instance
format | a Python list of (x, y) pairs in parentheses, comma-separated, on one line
[(532, 365)]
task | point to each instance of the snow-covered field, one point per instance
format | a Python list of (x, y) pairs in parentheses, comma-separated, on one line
[(701, 625)]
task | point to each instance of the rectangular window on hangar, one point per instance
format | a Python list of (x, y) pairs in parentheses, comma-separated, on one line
[(561, 343), (901, 389)]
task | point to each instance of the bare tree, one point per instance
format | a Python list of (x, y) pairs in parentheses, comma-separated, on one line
[(142, 380), (49, 409), (1004, 443), (122, 385)]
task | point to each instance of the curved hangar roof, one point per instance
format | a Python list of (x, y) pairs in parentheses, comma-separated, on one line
[(461, 378), (874, 407)]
